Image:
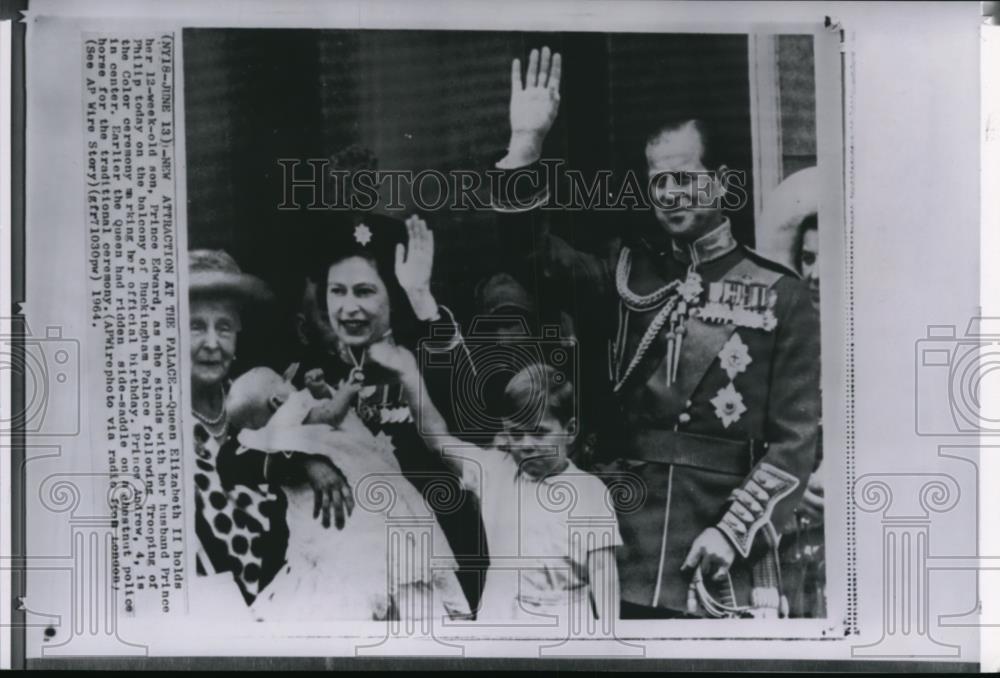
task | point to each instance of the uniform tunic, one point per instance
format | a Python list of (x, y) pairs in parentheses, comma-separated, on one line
[(740, 414)]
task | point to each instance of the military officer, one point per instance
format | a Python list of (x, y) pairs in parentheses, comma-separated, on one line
[(712, 369)]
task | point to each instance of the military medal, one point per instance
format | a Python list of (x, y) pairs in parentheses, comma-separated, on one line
[(395, 415), (741, 303), (374, 405), (393, 410), (364, 407)]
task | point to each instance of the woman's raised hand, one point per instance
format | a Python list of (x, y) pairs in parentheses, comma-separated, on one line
[(414, 264), (534, 104)]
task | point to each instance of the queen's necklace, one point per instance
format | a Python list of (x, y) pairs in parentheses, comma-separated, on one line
[(369, 411)]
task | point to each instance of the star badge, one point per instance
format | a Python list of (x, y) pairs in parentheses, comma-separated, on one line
[(729, 405), (362, 234), (734, 356)]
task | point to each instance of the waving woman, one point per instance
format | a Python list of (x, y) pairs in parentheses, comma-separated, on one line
[(372, 281)]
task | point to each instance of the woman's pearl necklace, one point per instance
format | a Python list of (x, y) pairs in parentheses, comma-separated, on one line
[(217, 424)]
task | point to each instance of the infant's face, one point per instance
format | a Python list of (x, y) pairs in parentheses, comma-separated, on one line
[(255, 396), (281, 392)]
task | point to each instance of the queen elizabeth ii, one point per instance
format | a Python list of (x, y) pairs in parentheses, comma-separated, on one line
[(371, 277)]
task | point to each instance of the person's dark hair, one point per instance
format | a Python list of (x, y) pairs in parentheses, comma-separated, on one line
[(538, 390), (807, 224), (710, 156), (352, 159), (306, 331)]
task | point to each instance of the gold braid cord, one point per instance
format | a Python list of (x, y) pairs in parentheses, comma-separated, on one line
[(668, 295), (753, 504), (635, 301)]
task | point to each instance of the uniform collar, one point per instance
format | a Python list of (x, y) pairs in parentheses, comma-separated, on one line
[(715, 244)]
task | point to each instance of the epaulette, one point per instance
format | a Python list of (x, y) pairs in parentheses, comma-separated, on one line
[(770, 264)]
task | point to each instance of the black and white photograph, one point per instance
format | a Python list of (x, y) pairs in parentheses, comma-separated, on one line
[(488, 269), (464, 335)]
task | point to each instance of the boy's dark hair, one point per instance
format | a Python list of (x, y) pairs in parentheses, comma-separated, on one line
[(535, 391), (710, 157)]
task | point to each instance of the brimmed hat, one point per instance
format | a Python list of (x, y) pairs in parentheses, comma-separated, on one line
[(794, 199), (215, 273)]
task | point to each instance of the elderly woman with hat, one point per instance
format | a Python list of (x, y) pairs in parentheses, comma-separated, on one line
[(240, 507)]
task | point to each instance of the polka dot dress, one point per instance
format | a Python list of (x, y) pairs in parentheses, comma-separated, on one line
[(237, 517)]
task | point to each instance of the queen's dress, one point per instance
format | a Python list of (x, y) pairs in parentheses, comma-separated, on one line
[(390, 560)]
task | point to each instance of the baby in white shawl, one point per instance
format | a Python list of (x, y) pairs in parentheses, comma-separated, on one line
[(390, 560)]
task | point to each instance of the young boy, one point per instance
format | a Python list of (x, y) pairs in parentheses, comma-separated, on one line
[(550, 530)]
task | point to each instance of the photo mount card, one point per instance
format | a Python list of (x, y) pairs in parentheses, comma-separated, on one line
[(550, 331)]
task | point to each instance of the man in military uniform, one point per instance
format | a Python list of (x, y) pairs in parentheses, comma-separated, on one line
[(713, 369)]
